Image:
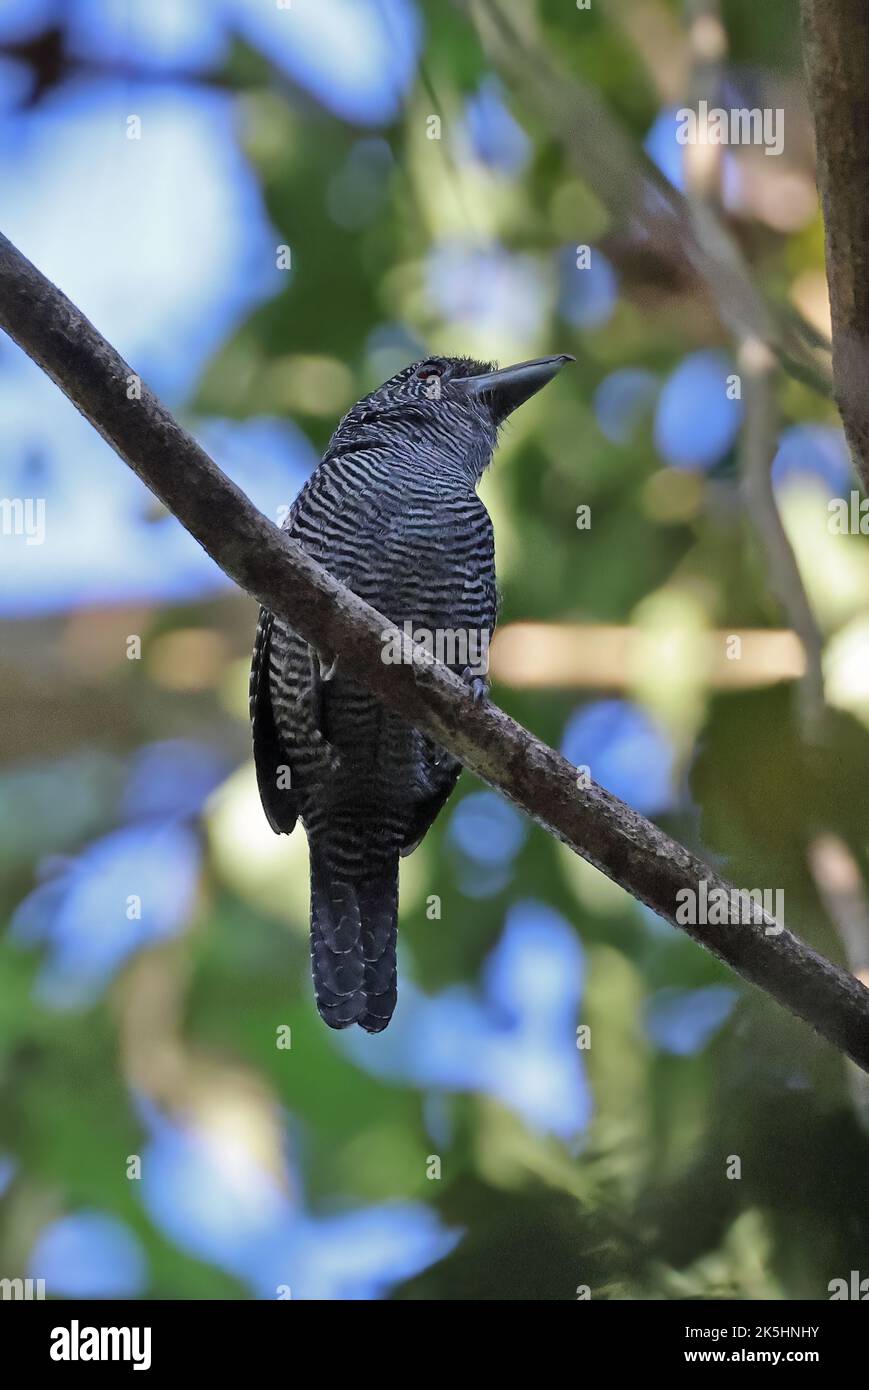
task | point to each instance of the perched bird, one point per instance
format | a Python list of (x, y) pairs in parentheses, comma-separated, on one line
[(392, 512)]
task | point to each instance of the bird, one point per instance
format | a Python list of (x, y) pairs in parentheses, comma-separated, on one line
[(391, 511)]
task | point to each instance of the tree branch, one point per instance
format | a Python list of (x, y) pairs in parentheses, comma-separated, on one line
[(275, 570), (836, 52), (757, 367)]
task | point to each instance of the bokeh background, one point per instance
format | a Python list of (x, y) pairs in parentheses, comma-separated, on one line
[(314, 196)]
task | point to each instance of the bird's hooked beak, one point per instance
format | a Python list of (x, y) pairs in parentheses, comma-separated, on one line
[(510, 387)]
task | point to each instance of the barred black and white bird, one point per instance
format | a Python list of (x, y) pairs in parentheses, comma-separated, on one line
[(391, 511)]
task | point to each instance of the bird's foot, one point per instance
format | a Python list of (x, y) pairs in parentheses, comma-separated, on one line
[(328, 671), (477, 684)]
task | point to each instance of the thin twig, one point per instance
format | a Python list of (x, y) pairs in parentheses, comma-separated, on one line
[(757, 368)]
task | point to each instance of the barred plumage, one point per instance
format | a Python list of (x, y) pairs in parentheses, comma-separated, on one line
[(392, 512)]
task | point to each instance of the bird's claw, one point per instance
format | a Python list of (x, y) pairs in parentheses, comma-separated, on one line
[(478, 685)]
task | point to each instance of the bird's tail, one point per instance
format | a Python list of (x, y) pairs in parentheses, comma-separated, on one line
[(354, 926)]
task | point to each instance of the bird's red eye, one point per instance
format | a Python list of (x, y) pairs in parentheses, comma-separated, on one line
[(430, 369)]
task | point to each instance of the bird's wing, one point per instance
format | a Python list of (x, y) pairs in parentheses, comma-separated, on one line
[(279, 802), (287, 706)]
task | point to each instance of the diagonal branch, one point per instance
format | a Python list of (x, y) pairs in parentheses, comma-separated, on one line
[(276, 570)]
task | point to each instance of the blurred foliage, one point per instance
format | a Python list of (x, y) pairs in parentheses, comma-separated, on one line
[(560, 1166)]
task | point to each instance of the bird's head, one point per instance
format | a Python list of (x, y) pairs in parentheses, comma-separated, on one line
[(450, 408)]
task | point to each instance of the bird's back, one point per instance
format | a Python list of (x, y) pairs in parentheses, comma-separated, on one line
[(420, 552)]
